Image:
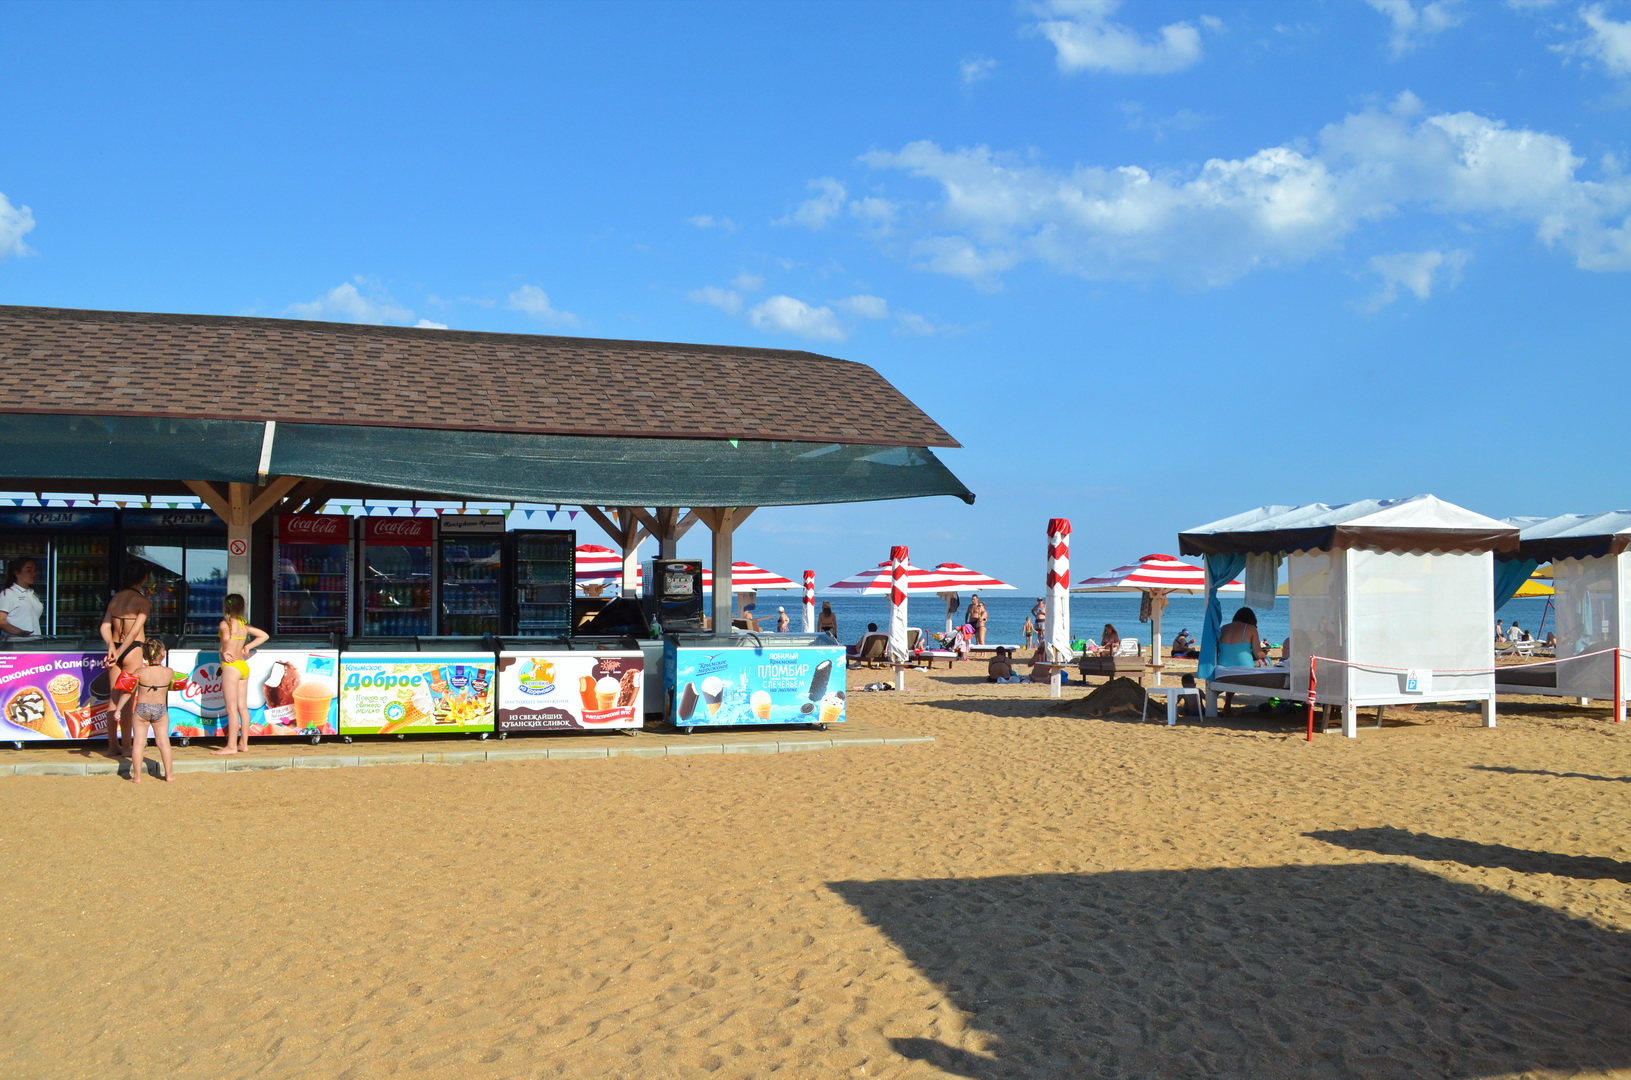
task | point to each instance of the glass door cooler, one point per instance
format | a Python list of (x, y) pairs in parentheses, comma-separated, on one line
[(312, 554), (471, 573), (396, 585), (186, 551), (543, 567), (71, 550)]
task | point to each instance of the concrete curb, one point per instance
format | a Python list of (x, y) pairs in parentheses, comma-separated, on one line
[(668, 746)]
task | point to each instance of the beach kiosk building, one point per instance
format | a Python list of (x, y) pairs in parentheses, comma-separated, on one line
[(1393, 596), (1591, 575)]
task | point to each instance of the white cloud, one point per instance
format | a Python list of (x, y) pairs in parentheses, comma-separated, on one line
[(817, 211), (346, 303), (976, 69), (15, 223), (1282, 205), (725, 300), (748, 282), (864, 306), (706, 221), (1417, 271), (1413, 23), (533, 301), (1086, 38), (426, 324), (784, 314), (1610, 43)]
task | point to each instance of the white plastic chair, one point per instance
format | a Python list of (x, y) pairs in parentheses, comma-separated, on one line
[(1129, 647)]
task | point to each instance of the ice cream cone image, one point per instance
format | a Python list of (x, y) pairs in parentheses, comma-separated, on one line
[(761, 705), (832, 706), (29, 709), (713, 689), (64, 690), (606, 691)]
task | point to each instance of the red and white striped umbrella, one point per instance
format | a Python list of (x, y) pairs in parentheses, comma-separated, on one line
[(898, 562), (745, 577), (809, 602), (599, 565), (875, 581), (1056, 624), (1153, 573), (963, 579)]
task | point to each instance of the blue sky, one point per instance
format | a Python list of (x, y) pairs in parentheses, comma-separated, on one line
[(1152, 263)]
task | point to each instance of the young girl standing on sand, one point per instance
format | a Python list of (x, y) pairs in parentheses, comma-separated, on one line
[(238, 640), (153, 683)]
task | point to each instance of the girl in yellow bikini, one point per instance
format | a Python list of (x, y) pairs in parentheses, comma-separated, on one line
[(238, 640)]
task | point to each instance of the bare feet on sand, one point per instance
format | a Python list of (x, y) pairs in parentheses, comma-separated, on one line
[(224, 751)]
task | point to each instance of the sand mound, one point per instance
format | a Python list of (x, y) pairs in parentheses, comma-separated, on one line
[(1121, 695)]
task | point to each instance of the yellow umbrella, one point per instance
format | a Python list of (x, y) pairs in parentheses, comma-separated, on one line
[(1533, 587)]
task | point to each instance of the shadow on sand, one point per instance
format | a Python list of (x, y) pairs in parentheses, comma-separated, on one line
[(1373, 971), (1549, 772), (1385, 841)]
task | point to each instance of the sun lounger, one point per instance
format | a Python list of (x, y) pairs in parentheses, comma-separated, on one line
[(872, 651)]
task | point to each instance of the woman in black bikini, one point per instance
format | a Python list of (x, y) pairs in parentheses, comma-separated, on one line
[(124, 628), (153, 682)]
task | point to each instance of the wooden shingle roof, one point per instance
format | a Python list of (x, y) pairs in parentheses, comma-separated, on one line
[(62, 361)]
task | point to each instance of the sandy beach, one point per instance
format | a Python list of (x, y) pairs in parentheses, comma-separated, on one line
[(1033, 895)]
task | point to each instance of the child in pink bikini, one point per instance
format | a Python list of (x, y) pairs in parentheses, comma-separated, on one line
[(153, 682)]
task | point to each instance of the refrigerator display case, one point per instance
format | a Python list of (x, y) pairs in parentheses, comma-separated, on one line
[(312, 554), (396, 585), (754, 679), (187, 553), (471, 588), (71, 548), (543, 568)]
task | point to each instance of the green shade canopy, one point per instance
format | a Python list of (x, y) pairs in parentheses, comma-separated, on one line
[(112, 452)]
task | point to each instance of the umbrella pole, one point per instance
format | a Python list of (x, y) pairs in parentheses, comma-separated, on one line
[(1155, 641)]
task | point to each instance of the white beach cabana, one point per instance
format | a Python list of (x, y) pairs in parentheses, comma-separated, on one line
[(1591, 577), (1395, 596)]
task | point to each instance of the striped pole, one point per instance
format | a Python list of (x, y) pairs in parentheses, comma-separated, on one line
[(1056, 630), (809, 601), (897, 604), (1057, 624)]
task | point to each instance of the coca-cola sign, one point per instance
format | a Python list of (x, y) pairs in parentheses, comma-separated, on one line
[(314, 528), (395, 530)]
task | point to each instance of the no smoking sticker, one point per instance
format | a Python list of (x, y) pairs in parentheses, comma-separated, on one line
[(237, 547)]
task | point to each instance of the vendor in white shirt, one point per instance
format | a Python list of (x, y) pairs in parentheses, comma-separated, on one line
[(20, 606)]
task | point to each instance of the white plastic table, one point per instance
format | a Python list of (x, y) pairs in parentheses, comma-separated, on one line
[(1173, 694)]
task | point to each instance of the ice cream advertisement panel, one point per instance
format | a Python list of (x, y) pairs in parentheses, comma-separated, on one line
[(561, 691), (419, 693), (48, 696), (291, 692), (729, 686)]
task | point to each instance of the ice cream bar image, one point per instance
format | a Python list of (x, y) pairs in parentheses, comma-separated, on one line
[(688, 701), (819, 679)]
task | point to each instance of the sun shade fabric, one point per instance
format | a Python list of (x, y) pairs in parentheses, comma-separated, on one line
[(67, 362), (1420, 523), (1510, 575), (475, 465), (128, 448), (1573, 536)]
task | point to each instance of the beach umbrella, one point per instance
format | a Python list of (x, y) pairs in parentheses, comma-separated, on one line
[(965, 580), (898, 563), (600, 567), (745, 577), (878, 581), (809, 601), (1156, 576), (1057, 622)]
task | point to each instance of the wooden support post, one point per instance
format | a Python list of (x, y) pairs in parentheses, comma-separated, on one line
[(240, 506)]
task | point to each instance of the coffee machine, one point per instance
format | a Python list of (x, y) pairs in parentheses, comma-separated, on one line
[(674, 595)]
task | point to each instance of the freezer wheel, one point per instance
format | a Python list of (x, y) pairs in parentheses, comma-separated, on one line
[(819, 727), (685, 731), (16, 745), (186, 740), (347, 739), (315, 739), (484, 736)]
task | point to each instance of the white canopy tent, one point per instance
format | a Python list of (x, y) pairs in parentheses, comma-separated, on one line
[(1396, 596), (1591, 575)]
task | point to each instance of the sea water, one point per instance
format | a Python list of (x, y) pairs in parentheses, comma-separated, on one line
[(1088, 614)]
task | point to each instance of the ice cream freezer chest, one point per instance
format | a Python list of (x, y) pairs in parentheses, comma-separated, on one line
[(576, 690), (53, 696), (416, 693), (729, 682), (292, 691)]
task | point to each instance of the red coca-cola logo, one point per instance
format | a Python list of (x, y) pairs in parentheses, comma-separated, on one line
[(313, 526), (397, 529)]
